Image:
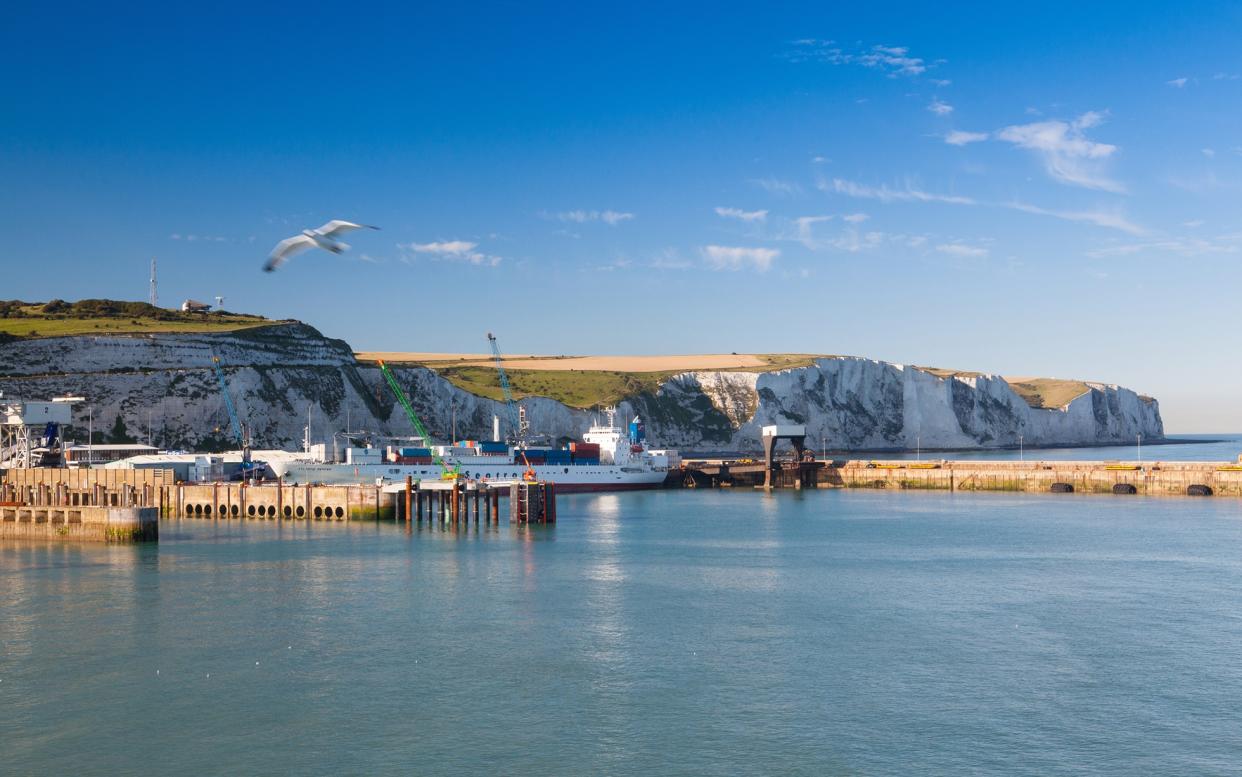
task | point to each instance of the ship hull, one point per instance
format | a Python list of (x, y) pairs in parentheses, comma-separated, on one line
[(568, 480)]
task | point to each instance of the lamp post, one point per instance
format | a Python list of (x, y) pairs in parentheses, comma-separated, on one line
[(90, 435), (1140, 447), (918, 447), (1021, 453)]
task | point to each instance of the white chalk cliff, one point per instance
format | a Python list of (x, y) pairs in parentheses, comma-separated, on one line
[(274, 373)]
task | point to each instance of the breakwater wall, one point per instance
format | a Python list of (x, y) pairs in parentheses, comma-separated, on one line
[(158, 489), (1086, 477), (61, 497), (79, 524)]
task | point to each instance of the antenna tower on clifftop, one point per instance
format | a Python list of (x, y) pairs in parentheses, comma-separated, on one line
[(154, 298)]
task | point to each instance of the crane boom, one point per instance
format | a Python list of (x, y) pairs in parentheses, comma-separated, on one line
[(228, 401), (519, 433), (445, 471), (506, 389)]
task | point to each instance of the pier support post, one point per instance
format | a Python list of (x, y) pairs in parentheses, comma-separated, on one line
[(409, 497)]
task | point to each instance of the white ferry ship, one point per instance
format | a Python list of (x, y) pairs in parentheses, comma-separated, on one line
[(608, 459)]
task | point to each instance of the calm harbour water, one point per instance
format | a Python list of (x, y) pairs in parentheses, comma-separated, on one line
[(704, 632)]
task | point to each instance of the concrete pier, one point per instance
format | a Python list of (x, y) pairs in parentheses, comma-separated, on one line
[(80, 524), (1155, 478)]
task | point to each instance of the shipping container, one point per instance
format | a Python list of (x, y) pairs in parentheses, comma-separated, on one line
[(489, 446), (407, 452), (584, 448)]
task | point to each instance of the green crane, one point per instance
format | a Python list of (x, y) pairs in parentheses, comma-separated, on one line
[(238, 429), (228, 401), (515, 417), (446, 472), (511, 405)]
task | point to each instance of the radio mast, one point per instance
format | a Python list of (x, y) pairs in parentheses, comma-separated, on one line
[(154, 298)]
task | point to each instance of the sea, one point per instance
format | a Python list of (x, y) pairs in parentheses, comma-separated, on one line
[(705, 632)]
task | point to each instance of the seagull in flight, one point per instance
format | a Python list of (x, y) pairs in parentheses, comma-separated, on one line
[(324, 237)]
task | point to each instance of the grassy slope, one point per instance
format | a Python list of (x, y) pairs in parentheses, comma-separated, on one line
[(591, 388), (1049, 392), (579, 388), (33, 322)]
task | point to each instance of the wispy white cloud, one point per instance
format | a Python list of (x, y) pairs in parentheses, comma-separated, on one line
[(1101, 218), (962, 250), (1208, 152), (453, 251), (736, 258), (1193, 223), (610, 217), (803, 230), (777, 186), (1178, 82), (1182, 246), (670, 259), (620, 263), (962, 137), (940, 108), (198, 238), (1226, 77), (443, 247), (820, 159), (1110, 219), (892, 60), (854, 241), (807, 231), (884, 193), (941, 81), (742, 215), (1068, 156)]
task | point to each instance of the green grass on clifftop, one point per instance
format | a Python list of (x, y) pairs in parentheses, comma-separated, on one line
[(96, 316), (585, 388), (580, 388)]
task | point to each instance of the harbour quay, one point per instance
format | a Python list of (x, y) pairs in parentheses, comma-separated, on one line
[(79, 524), (127, 505), (1155, 478)]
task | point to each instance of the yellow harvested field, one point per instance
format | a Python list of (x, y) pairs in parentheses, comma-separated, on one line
[(566, 363), (1047, 392)]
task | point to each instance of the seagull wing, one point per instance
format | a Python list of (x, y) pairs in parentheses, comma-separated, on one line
[(285, 249), (337, 227)]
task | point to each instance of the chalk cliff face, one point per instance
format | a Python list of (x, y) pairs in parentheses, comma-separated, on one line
[(862, 404), (276, 373)]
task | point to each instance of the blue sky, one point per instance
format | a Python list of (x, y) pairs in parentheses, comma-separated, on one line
[(1051, 192)]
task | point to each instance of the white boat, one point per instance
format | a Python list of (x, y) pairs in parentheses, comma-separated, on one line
[(623, 462)]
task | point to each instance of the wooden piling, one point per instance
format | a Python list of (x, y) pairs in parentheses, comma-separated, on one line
[(409, 496)]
